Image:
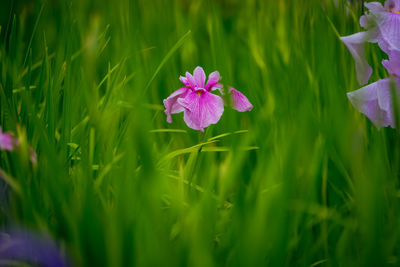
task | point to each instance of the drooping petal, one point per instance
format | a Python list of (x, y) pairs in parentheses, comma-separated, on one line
[(355, 44), (199, 77), (7, 141), (171, 104), (375, 101), (385, 94), (393, 64), (201, 109), (213, 80), (239, 101)]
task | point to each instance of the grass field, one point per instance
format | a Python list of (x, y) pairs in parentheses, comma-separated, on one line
[(301, 180)]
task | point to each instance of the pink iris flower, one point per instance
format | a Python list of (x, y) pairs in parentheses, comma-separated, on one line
[(200, 106), (7, 141), (376, 100), (383, 27)]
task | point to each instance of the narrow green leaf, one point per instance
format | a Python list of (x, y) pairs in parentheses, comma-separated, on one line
[(165, 59)]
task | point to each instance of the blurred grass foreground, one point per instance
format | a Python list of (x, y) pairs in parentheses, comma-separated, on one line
[(301, 180)]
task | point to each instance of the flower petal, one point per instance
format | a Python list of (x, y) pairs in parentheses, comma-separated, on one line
[(213, 80), (188, 80), (171, 104), (217, 86), (184, 80), (199, 77), (355, 44), (392, 5), (369, 19), (374, 6), (202, 109), (393, 64), (239, 101), (385, 94), (375, 102), (366, 21), (390, 30)]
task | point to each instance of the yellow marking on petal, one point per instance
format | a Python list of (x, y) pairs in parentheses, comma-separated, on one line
[(199, 93)]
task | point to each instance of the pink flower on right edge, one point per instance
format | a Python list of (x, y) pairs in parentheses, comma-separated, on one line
[(382, 24), (200, 107)]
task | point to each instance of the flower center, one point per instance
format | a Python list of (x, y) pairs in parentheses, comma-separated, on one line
[(199, 91)]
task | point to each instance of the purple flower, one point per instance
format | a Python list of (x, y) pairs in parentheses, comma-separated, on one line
[(383, 27), (201, 108), (7, 141), (27, 247), (375, 100)]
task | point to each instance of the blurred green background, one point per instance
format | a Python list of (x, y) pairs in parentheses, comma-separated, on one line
[(301, 180)]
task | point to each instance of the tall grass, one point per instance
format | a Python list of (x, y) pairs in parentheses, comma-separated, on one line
[(301, 180)]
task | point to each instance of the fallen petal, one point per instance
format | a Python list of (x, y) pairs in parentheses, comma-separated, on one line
[(239, 101), (355, 44)]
